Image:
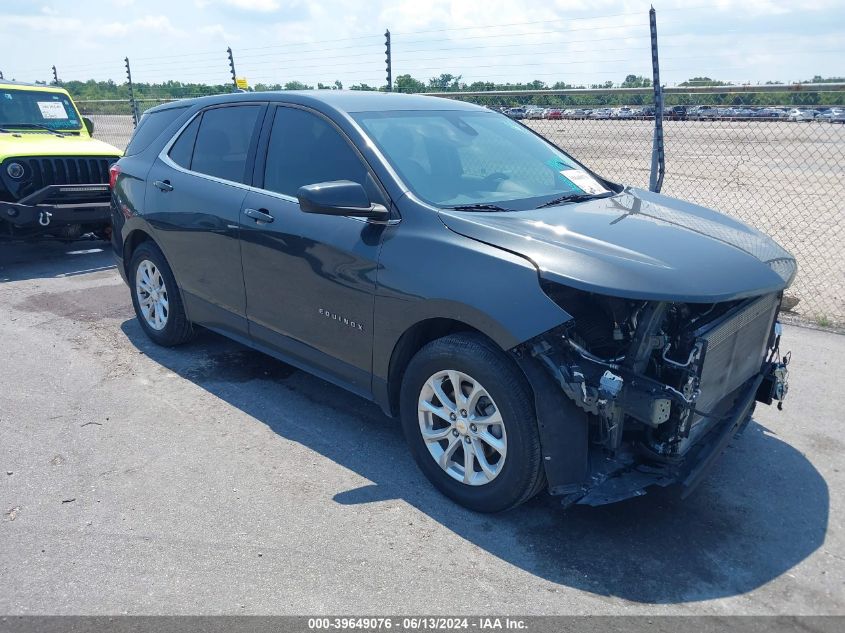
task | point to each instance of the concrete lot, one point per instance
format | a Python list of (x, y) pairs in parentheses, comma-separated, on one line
[(212, 479), (782, 177)]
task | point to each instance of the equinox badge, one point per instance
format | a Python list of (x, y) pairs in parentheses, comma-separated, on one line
[(341, 319)]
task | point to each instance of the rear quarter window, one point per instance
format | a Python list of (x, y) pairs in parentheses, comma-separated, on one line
[(150, 126)]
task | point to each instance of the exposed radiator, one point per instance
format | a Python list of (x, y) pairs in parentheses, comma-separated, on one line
[(734, 349)]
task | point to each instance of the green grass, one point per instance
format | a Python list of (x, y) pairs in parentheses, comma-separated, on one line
[(823, 321)]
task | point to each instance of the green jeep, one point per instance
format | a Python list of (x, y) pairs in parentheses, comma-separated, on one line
[(54, 177)]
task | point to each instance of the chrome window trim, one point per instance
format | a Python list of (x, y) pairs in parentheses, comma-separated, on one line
[(164, 156)]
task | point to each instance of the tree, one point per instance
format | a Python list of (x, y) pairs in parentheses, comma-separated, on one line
[(446, 81), (99, 90), (636, 81), (406, 83), (297, 85), (702, 81)]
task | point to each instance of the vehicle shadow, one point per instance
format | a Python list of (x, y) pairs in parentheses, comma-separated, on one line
[(20, 261), (763, 510)]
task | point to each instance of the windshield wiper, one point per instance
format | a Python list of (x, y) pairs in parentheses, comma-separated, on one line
[(480, 206), (575, 197), (35, 125)]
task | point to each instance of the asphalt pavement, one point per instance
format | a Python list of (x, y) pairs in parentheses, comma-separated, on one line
[(211, 479)]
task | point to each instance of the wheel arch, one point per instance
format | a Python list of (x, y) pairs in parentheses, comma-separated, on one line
[(412, 340), (135, 238), (563, 427)]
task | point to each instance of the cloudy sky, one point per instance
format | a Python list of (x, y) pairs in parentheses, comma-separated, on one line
[(577, 41)]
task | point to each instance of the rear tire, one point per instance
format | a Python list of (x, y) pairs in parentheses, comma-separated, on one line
[(156, 298), (481, 447)]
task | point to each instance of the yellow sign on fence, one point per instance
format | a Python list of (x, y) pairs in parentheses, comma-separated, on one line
[(242, 83)]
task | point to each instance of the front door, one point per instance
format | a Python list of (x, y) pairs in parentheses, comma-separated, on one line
[(310, 279)]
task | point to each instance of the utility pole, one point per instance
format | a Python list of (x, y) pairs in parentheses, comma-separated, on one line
[(232, 68), (55, 76), (388, 61), (133, 105), (658, 163)]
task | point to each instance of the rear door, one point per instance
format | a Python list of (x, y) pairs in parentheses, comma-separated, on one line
[(310, 279), (195, 191)]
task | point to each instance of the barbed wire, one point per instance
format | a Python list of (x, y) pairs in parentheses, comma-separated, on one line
[(326, 57)]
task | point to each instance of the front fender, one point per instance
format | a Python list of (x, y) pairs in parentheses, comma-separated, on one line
[(428, 272)]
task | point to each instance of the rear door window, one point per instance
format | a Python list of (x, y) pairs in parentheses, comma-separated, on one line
[(151, 125), (223, 141)]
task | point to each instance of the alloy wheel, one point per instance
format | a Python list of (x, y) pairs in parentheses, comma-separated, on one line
[(462, 427), (151, 292)]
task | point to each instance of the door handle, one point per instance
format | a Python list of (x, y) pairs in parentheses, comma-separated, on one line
[(164, 185), (259, 215)]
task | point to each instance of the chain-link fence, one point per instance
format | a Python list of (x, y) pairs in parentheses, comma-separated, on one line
[(786, 178), (113, 119), (780, 169)]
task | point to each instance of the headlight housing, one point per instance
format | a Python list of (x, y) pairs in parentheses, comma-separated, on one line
[(16, 171)]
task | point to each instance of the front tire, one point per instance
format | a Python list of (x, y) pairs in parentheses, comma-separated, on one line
[(156, 298), (468, 417)]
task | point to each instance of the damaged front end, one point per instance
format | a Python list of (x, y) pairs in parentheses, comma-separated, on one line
[(648, 392)]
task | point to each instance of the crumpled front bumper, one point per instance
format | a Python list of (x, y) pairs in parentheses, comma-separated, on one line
[(59, 205), (609, 430), (618, 481)]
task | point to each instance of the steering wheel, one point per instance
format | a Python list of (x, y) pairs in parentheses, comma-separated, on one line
[(494, 179)]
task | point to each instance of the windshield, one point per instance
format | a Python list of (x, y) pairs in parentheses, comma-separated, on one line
[(453, 158), (31, 108)]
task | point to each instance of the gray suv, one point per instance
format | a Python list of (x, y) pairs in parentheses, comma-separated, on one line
[(532, 324)]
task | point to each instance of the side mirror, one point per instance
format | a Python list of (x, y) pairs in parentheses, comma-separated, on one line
[(89, 125), (339, 197)]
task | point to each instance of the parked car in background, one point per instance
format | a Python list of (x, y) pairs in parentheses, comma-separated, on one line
[(676, 113), (575, 113), (516, 113), (772, 113), (743, 113), (601, 113), (532, 324), (703, 112), (553, 113), (801, 114), (54, 176), (830, 114)]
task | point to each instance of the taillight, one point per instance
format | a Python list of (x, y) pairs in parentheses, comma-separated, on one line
[(114, 171)]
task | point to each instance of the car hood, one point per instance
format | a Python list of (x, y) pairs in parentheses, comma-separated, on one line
[(637, 245), (20, 143)]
